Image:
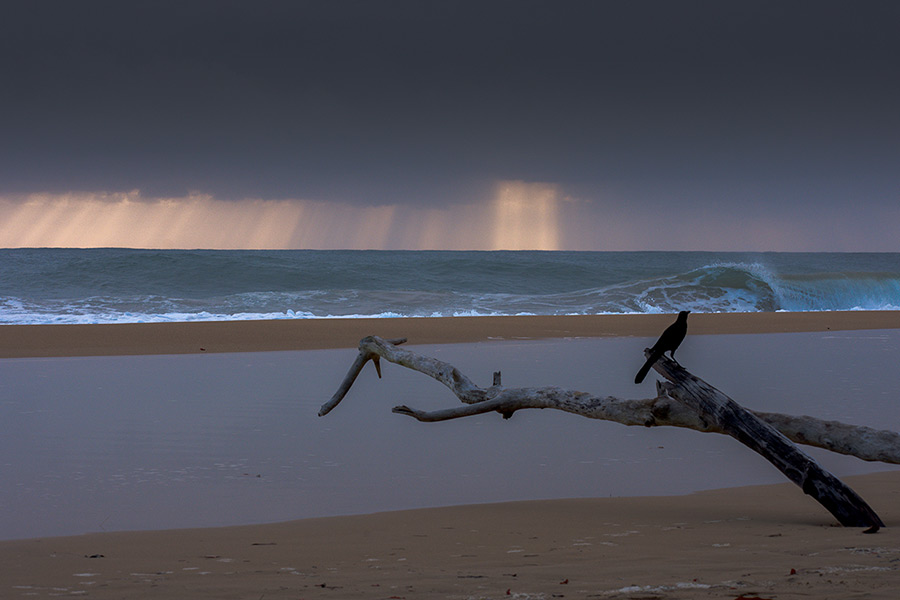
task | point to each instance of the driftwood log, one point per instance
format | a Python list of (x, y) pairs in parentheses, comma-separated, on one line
[(683, 401), (846, 505)]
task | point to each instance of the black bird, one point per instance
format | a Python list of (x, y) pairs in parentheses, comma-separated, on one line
[(669, 341)]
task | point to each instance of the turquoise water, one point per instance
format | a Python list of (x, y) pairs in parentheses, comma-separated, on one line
[(122, 285)]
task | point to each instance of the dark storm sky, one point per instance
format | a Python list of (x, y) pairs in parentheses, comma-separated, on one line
[(704, 106)]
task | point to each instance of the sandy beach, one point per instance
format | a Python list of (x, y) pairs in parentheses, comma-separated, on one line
[(311, 334), (747, 542)]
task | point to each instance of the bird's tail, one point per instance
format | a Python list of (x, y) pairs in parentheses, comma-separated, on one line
[(646, 368)]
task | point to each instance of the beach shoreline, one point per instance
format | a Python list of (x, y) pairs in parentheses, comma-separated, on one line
[(20, 341)]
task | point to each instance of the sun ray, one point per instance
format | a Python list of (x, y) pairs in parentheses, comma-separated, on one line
[(519, 216), (526, 216)]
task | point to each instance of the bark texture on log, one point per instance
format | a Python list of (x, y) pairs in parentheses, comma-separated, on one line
[(847, 507), (862, 442), (672, 406)]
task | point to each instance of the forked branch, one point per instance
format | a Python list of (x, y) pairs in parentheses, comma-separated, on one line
[(663, 410)]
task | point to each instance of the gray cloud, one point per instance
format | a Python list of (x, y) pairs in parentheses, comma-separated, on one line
[(433, 101)]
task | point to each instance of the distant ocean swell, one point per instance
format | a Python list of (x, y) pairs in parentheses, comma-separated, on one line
[(127, 286)]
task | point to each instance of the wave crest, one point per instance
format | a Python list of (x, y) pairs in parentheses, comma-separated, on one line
[(752, 287)]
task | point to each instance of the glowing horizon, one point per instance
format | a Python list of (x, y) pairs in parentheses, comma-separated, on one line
[(514, 215), (519, 216)]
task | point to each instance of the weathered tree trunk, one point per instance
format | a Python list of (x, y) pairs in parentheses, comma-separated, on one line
[(862, 442), (847, 507)]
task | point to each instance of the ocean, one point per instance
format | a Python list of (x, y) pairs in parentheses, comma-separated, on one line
[(114, 285)]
